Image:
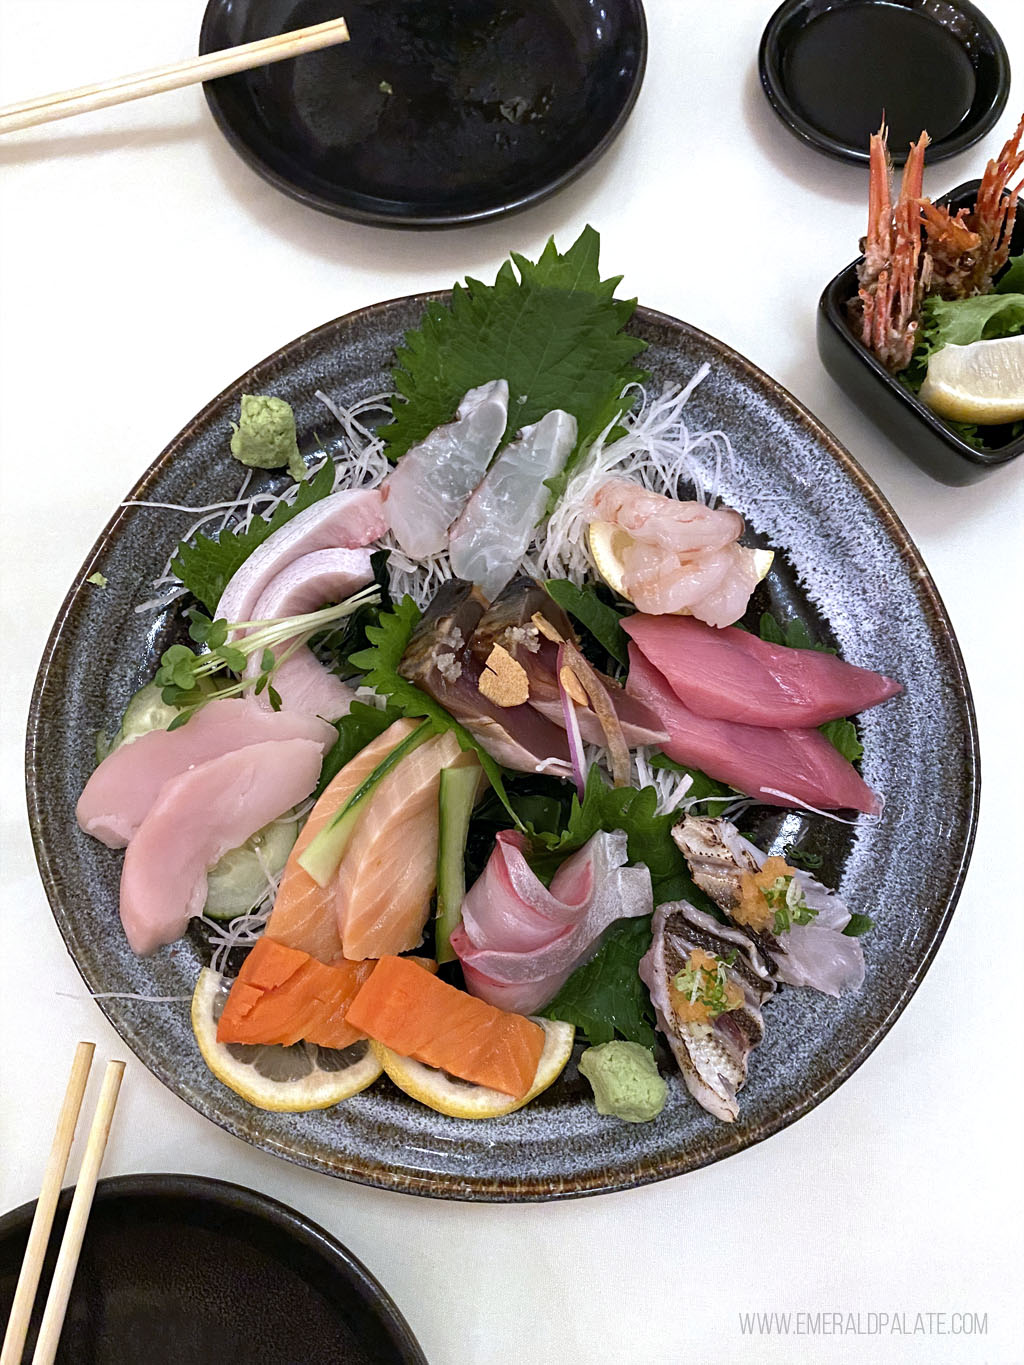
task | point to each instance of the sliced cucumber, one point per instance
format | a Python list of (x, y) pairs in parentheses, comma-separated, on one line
[(146, 711), (238, 882), (324, 853), (455, 806)]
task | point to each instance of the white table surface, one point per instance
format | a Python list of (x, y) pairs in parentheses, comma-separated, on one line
[(130, 241)]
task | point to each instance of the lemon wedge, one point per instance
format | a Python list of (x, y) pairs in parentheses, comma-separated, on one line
[(461, 1099), (982, 382), (285, 1079), (608, 544)]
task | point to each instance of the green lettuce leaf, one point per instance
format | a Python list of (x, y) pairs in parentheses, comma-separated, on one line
[(605, 997), (554, 332), (208, 564), (1012, 279)]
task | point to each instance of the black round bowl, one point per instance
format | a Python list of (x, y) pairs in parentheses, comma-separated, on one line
[(832, 68), (180, 1268), (436, 112)]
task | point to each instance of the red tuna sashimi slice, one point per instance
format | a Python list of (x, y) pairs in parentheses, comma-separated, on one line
[(307, 584), (349, 518), (753, 758), (123, 788), (198, 816), (732, 675)]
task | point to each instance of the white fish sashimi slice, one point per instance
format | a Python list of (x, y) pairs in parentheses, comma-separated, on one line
[(198, 816), (347, 519), (121, 791), (307, 584), (432, 481), (490, 537)]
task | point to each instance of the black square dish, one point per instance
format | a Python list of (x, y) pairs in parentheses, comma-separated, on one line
[(929, 440)]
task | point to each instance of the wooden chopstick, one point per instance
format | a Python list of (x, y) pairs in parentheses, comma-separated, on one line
[(45, 108), (42, 1221), (74, 1232)]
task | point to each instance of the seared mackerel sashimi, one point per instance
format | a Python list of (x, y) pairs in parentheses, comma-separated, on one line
[(707, 984), (519, 940), (439, 660), (732, 675), (799, 763), (432, 482), (490, 537), (796, 921)]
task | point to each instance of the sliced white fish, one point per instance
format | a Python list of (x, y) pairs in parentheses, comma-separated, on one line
[(490, 537), (306, 584), (432, 481), (122, 790), (198, 817), (817, 954)]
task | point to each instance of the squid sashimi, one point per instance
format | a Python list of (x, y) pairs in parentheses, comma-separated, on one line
[(432, 482), (388, 873), (123, 789), (347, 519), (304, 914), (799, 763), (284, 996), (520, 941), (732, 675), (306, 584), (707, 984), (490, 537), (198, 816), (798, 923), (419, 1016), (678, 556)]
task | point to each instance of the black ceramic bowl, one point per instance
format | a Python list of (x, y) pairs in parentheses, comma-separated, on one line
[(830, 68), (437, 112), (929, 440), (178, 1268)]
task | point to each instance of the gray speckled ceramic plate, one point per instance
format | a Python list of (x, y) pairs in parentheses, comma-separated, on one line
[(845, 564)]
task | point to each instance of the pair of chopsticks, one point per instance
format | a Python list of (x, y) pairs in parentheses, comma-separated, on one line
[(46, 108), (81, 1203)]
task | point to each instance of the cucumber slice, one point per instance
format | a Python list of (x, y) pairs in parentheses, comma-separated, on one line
[(147, 711), (455, 806), (238, 882), (324, 853)]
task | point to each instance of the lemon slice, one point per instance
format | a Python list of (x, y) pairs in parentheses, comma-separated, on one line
[(286, 1079), (982, 382), (463, 1100), (609, 542)]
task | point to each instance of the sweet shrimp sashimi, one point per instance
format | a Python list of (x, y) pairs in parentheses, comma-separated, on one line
[(732, 675), (800, 763), (122, 790), (304, 914)]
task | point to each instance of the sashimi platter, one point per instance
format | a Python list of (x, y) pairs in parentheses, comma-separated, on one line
[(503, 748)]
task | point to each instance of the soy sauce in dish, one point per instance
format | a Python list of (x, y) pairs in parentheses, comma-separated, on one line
[(850, 64)]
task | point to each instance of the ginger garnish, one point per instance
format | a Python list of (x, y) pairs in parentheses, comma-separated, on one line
[(503, 680)]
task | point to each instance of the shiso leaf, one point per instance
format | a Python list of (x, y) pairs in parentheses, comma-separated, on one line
[(605, 997), (356, 730), (207, 565), (586, 607), (554, 332), (842, 735)]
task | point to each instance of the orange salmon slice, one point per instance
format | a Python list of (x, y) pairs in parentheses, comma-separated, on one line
[(419, 1016)]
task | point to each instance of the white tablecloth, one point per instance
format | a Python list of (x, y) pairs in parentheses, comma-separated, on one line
[(130, 244)]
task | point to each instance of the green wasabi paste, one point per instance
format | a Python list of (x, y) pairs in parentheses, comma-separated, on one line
[(264, 435), (625, 1080)]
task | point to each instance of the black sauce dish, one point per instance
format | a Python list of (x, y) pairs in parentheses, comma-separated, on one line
[(178, 1268), (830, 68), (929, 440), (436, 112)]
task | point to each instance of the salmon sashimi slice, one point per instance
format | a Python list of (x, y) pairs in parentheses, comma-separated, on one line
[(304, 914), (387, 876), (419, 1016), (800, 763), (282, 995), (732, 675)]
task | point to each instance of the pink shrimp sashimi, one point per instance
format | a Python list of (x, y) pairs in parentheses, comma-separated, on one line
[(307, 584), (121, 791), (200, 815), (519, 941), (754, 759), (732, 675)]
